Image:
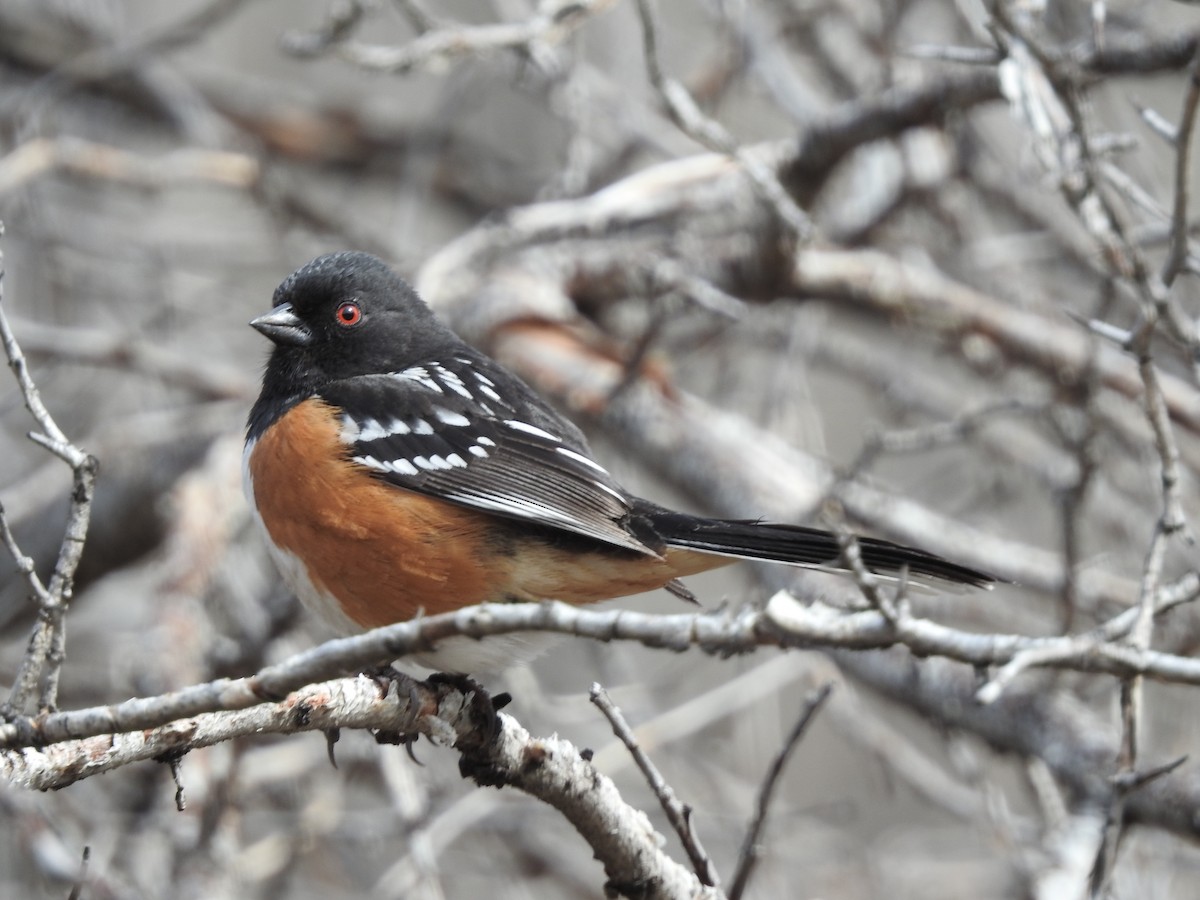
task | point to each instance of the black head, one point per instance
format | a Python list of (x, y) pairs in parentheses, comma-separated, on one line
[(342, 315)]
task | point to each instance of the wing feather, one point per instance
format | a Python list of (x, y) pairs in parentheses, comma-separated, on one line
[(439, 429)]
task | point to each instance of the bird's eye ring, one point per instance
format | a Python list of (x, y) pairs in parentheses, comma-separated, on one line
[(349, 314)]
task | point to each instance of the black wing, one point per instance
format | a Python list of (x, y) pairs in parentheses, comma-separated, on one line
[(448, 430)]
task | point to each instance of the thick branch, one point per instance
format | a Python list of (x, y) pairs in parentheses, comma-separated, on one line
[(496, 752)]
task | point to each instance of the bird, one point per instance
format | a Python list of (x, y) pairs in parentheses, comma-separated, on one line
[(395, 471)]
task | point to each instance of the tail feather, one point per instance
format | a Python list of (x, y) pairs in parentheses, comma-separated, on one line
[(802, 546)]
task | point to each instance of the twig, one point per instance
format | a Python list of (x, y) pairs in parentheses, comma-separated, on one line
[(343, 17), (1173, 519), (687, 115), (679, 814), (1072, 647), (883, 283), (972, 56), (892, 608), (1132, 709), (24, 563), (748, 855), (1132, 781), (1078, 427), (40, 156), (1047, 91), (1124, 784), (46, 650), (29, 391), (554, 21), (1158, 123)]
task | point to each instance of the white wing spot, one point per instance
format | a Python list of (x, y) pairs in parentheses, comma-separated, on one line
[(420, 426), (486, 386), (452, 381), (423, 462), (485, 441), (399, 466), (402, 467), (531, 429), (449, 417), (476, 450), (456, 461), (421, 376), (371, 430)]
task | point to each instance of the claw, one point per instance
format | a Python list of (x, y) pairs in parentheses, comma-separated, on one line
[(332, 735)]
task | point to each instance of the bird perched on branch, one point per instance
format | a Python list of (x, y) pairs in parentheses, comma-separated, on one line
[(396, 470)]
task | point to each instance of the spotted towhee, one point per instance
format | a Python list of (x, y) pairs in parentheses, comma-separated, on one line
[(395, 470)]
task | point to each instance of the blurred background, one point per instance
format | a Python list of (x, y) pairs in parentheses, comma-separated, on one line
[(164, 166)]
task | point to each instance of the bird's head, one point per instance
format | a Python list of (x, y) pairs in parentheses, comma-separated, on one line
[(347, 314)]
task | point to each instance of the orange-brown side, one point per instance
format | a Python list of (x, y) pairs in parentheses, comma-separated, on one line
[(386, 553)]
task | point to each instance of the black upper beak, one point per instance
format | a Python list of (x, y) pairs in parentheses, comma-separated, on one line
[(283, 327)]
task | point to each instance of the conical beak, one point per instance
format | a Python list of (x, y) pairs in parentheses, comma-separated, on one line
[(283, 327)]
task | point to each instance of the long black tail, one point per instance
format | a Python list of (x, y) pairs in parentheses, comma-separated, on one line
[(801, 546)]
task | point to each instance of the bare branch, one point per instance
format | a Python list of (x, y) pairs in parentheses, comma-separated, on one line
[(24, 563), (45, 653), (956, 310), (679, 814), (687, 115), (29, 391), (41, 156), (554, 21), (748, 855), (495, 753), (784, 623)]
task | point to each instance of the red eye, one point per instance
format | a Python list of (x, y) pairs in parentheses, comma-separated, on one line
[(349, 314)]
